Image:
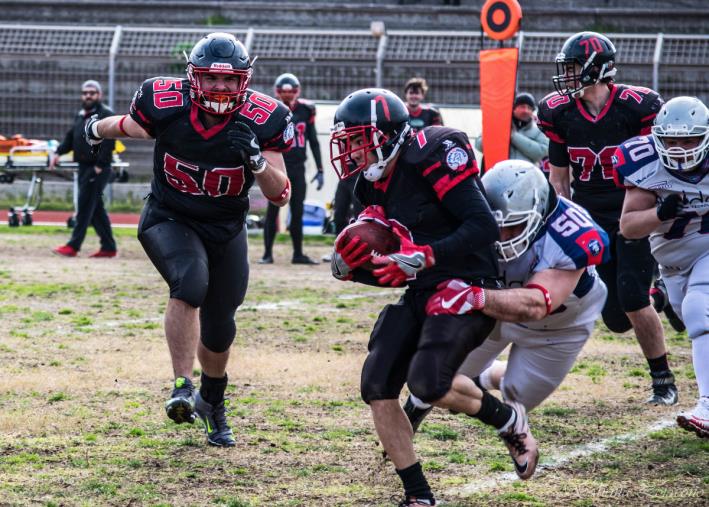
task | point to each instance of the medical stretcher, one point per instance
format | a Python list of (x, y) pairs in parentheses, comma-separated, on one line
[(33, 160)]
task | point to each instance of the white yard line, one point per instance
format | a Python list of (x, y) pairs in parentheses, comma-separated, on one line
[(261, 306), (559, 460)]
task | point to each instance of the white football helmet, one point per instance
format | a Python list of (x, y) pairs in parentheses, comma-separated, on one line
[(682, 117), (519, 194)]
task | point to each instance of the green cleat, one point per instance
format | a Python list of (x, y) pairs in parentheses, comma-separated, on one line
[(180, 406)]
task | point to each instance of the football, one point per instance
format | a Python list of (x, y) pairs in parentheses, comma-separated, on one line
[(380, 238)]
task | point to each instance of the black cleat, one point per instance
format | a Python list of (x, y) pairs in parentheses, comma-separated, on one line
[(416, 415), (303, 259), (674, 319), (266, 259), (180, 406), (661, 303), (664, 390), (214, 418)]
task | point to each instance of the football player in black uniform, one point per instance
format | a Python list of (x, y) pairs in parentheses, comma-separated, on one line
[(586, 119), (213, 138), (420, 115), (424, 186), (287, 89)]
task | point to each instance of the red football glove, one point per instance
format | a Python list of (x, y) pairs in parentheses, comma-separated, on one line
[(455, 297), (404, 264), (374, 213), (348, 255)]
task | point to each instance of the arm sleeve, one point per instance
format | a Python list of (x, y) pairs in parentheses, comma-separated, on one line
[(558, 155), (67, 144), (312, 135), (654, 103)]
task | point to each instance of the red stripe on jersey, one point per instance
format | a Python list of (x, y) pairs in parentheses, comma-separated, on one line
[(428, 170), (446, 183), (211, 131), (646, 130), (421, 139), (554, 137), (648, 117), (603, 112), (142, 116)]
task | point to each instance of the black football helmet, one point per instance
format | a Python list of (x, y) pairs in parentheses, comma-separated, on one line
[(287, 88), (368, 120), (594, 53), (218, 53)]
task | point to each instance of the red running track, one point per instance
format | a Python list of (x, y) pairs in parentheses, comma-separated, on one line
[(60, 217)]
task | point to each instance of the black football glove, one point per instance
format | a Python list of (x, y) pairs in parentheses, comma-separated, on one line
[(320, 178), (670, 207), (242, 140)]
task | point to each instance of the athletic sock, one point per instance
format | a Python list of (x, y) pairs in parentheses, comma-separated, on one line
[(415, 483), (212, 389), (493, 411), (659, 367)]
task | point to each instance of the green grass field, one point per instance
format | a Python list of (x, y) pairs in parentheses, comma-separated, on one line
[(87, 373)]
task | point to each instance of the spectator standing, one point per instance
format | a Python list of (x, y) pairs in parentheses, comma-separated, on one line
[(94, 173)]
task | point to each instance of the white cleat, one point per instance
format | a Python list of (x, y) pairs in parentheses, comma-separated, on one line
[(520, 442), (696, 420)]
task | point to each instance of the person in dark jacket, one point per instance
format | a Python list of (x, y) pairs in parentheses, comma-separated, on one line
[(287, 89), (94, 172)]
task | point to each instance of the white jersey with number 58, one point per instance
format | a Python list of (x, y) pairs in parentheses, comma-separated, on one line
[(676, 244)]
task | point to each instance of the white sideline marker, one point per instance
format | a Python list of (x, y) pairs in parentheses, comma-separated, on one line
[(559, 460)]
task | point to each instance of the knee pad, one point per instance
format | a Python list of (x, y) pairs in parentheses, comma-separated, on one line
[(445, 342), (617, 322), (179, 256), (190, 283), (633, 293), (217, 335), (695, 312), (429, 389), (636, 267)]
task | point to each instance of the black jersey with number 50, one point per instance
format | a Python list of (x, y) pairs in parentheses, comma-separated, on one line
[(587, 143), (195, 173)]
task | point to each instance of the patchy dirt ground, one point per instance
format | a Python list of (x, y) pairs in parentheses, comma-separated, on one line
[(87, 372)]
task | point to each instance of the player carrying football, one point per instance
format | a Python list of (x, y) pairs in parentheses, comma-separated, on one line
[(426, 188), (213, 138), (586, 119), (667, 196)]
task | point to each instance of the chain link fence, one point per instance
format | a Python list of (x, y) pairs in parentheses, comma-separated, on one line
[(43, 66)]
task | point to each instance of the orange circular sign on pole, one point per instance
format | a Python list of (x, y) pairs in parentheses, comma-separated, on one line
[(500, 19)]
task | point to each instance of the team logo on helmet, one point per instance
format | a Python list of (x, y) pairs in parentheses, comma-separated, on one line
[(457, 158)]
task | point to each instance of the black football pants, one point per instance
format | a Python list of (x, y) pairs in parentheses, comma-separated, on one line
[(91, 210), (205, 274)]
